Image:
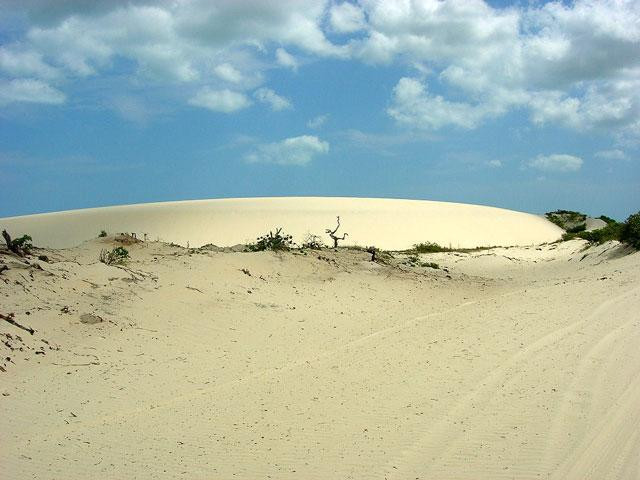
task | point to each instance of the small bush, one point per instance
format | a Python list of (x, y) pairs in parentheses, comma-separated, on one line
[(430, 265), (612, 231), (23, 242), (578, 228), (630, 233), (103, 233), (117, 256), (429, 247), (272, 241), (607, 219), (566, 219)]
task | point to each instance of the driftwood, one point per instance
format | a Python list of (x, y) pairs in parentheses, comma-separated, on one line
[(9, 318), (334, 237), (10, 245)]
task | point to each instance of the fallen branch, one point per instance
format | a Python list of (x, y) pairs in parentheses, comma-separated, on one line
[(9, 318)]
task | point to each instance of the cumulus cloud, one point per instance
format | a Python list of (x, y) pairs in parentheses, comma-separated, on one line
[(165, 42), (575, 65), (346, 18), (318, 122), (494, 163), (228, 73), (614, 154), (271, 98), (25, 64), (557, 163), (290, 151), (225, 101), (413, 105), (285, 59), (30, 91)]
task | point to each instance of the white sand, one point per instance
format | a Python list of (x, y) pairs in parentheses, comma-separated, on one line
[(385, 223), (516, 363)]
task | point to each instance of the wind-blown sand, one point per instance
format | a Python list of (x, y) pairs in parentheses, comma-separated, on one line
[(387, 223), (506, 363)]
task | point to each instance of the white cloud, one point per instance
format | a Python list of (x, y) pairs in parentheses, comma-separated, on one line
[(228, 73), (318, 122), (225, 101), (166, 42), (556, 163), (271, 98), (25, 64), (290, 151), (575, 65), (494, 163), (614, 154), (346, 18), (414, 106), (132, 109), (29, 91), (285, 59)]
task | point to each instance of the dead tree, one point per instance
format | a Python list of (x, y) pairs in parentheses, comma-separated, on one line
[(334, 237), (11, 245)]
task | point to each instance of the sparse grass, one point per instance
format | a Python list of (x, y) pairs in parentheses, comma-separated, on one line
[(117, 256), (313, 242), (429, 247)]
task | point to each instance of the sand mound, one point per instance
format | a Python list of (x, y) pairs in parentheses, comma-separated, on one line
[(385, 223), (507, 363)]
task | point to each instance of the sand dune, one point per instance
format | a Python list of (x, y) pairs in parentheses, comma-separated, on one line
[(385, 223), (505, 363)]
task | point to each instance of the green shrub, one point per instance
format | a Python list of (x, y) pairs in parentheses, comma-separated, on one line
[(272, 241), (567, 219), (630, 233), (607, 219), (578, 228), (612, 231), (117, 256), (429, 247), (23, 242), (103, 233)]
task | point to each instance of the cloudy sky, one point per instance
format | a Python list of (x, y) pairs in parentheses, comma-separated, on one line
[(526, 105)]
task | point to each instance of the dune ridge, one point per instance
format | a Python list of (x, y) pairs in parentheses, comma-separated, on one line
[(386, 223)]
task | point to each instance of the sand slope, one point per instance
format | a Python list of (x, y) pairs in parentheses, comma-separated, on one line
[(388, 224), (515, 363)]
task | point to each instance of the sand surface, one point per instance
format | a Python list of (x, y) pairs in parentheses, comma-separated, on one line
[(385, 223), (518, 363)]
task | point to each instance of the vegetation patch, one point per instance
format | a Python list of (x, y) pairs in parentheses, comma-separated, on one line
[(567, 219), (429, 247), (627, 232), (117, 256), (277, 241)]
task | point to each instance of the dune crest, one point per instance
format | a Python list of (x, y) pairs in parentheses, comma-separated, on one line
[(386, 223)]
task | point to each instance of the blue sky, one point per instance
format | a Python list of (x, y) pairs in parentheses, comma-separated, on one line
[(531, 105)]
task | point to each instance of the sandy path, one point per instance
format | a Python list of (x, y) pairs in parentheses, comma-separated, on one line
[(333, 368)]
